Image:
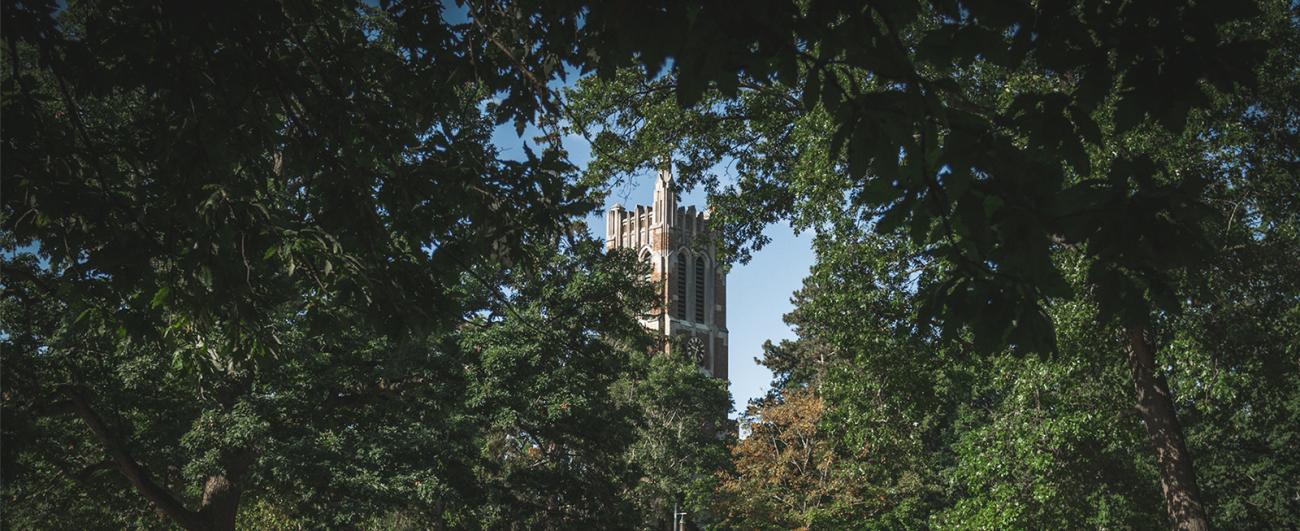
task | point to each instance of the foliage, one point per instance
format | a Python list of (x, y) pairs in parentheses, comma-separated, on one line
[(268, 256), (1002, 142), (975, 128), (783, 467), (931, 436), (681, 441), (544, 388)]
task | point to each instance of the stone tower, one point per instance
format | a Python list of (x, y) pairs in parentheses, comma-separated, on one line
[(676, 241)]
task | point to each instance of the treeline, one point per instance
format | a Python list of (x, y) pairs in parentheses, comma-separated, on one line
[(264, 266)]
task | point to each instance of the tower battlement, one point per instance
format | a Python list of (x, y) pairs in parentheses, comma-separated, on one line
[(631, 228)]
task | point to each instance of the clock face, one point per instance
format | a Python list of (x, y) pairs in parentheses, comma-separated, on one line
[(695, 348)]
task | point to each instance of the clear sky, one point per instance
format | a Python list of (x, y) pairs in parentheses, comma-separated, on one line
[(758, 293)]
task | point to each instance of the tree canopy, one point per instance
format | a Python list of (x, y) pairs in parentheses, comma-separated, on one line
[(264, 265), (1003, 141), (268, 256)]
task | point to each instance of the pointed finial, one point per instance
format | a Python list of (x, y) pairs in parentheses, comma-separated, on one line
[(665, 168)]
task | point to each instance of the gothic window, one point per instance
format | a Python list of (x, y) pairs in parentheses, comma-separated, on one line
[(649, 260), (680, 279), (699, 291)]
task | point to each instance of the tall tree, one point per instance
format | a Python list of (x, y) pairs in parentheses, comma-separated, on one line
[(785, 469), (931, 436), (269, 252), (681, 441), (992, 133)]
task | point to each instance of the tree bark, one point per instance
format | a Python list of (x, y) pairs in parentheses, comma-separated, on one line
[(221, 492), (1156, 406), (220, 503)]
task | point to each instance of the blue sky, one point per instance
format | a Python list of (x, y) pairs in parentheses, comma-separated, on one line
[(758, 293)]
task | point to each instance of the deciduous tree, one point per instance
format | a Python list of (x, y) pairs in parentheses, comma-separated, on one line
[(991, 133)]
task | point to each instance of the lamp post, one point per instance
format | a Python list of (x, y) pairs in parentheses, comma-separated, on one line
[(679, 519)]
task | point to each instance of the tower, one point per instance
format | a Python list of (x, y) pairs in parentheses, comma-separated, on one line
[(681, 250)]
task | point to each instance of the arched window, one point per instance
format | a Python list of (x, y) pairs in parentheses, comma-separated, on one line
[(699, 290), (680, 279), (649, 260)]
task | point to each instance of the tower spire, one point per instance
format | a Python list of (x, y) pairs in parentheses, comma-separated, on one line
[(665, 202), (665, 168)]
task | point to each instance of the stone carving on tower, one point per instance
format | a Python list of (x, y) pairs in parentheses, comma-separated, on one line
[(681, 250)]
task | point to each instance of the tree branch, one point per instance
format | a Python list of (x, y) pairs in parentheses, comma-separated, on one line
[(127, 465)]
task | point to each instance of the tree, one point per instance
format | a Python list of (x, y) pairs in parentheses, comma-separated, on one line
[(991, 133), (230, 218), (681, 441), (931, 435), (784, 476), (554, 356), (269, 254)]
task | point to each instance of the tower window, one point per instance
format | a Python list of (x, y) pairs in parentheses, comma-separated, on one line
[(650, 261), (699, 291), (680, 279)]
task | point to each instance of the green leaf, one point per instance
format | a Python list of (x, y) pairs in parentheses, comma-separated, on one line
[(160, 297), (972, 222), (879, 192)]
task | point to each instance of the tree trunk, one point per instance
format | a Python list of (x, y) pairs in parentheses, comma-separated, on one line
[(220, 503), (1154, 403), (221, 492)]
